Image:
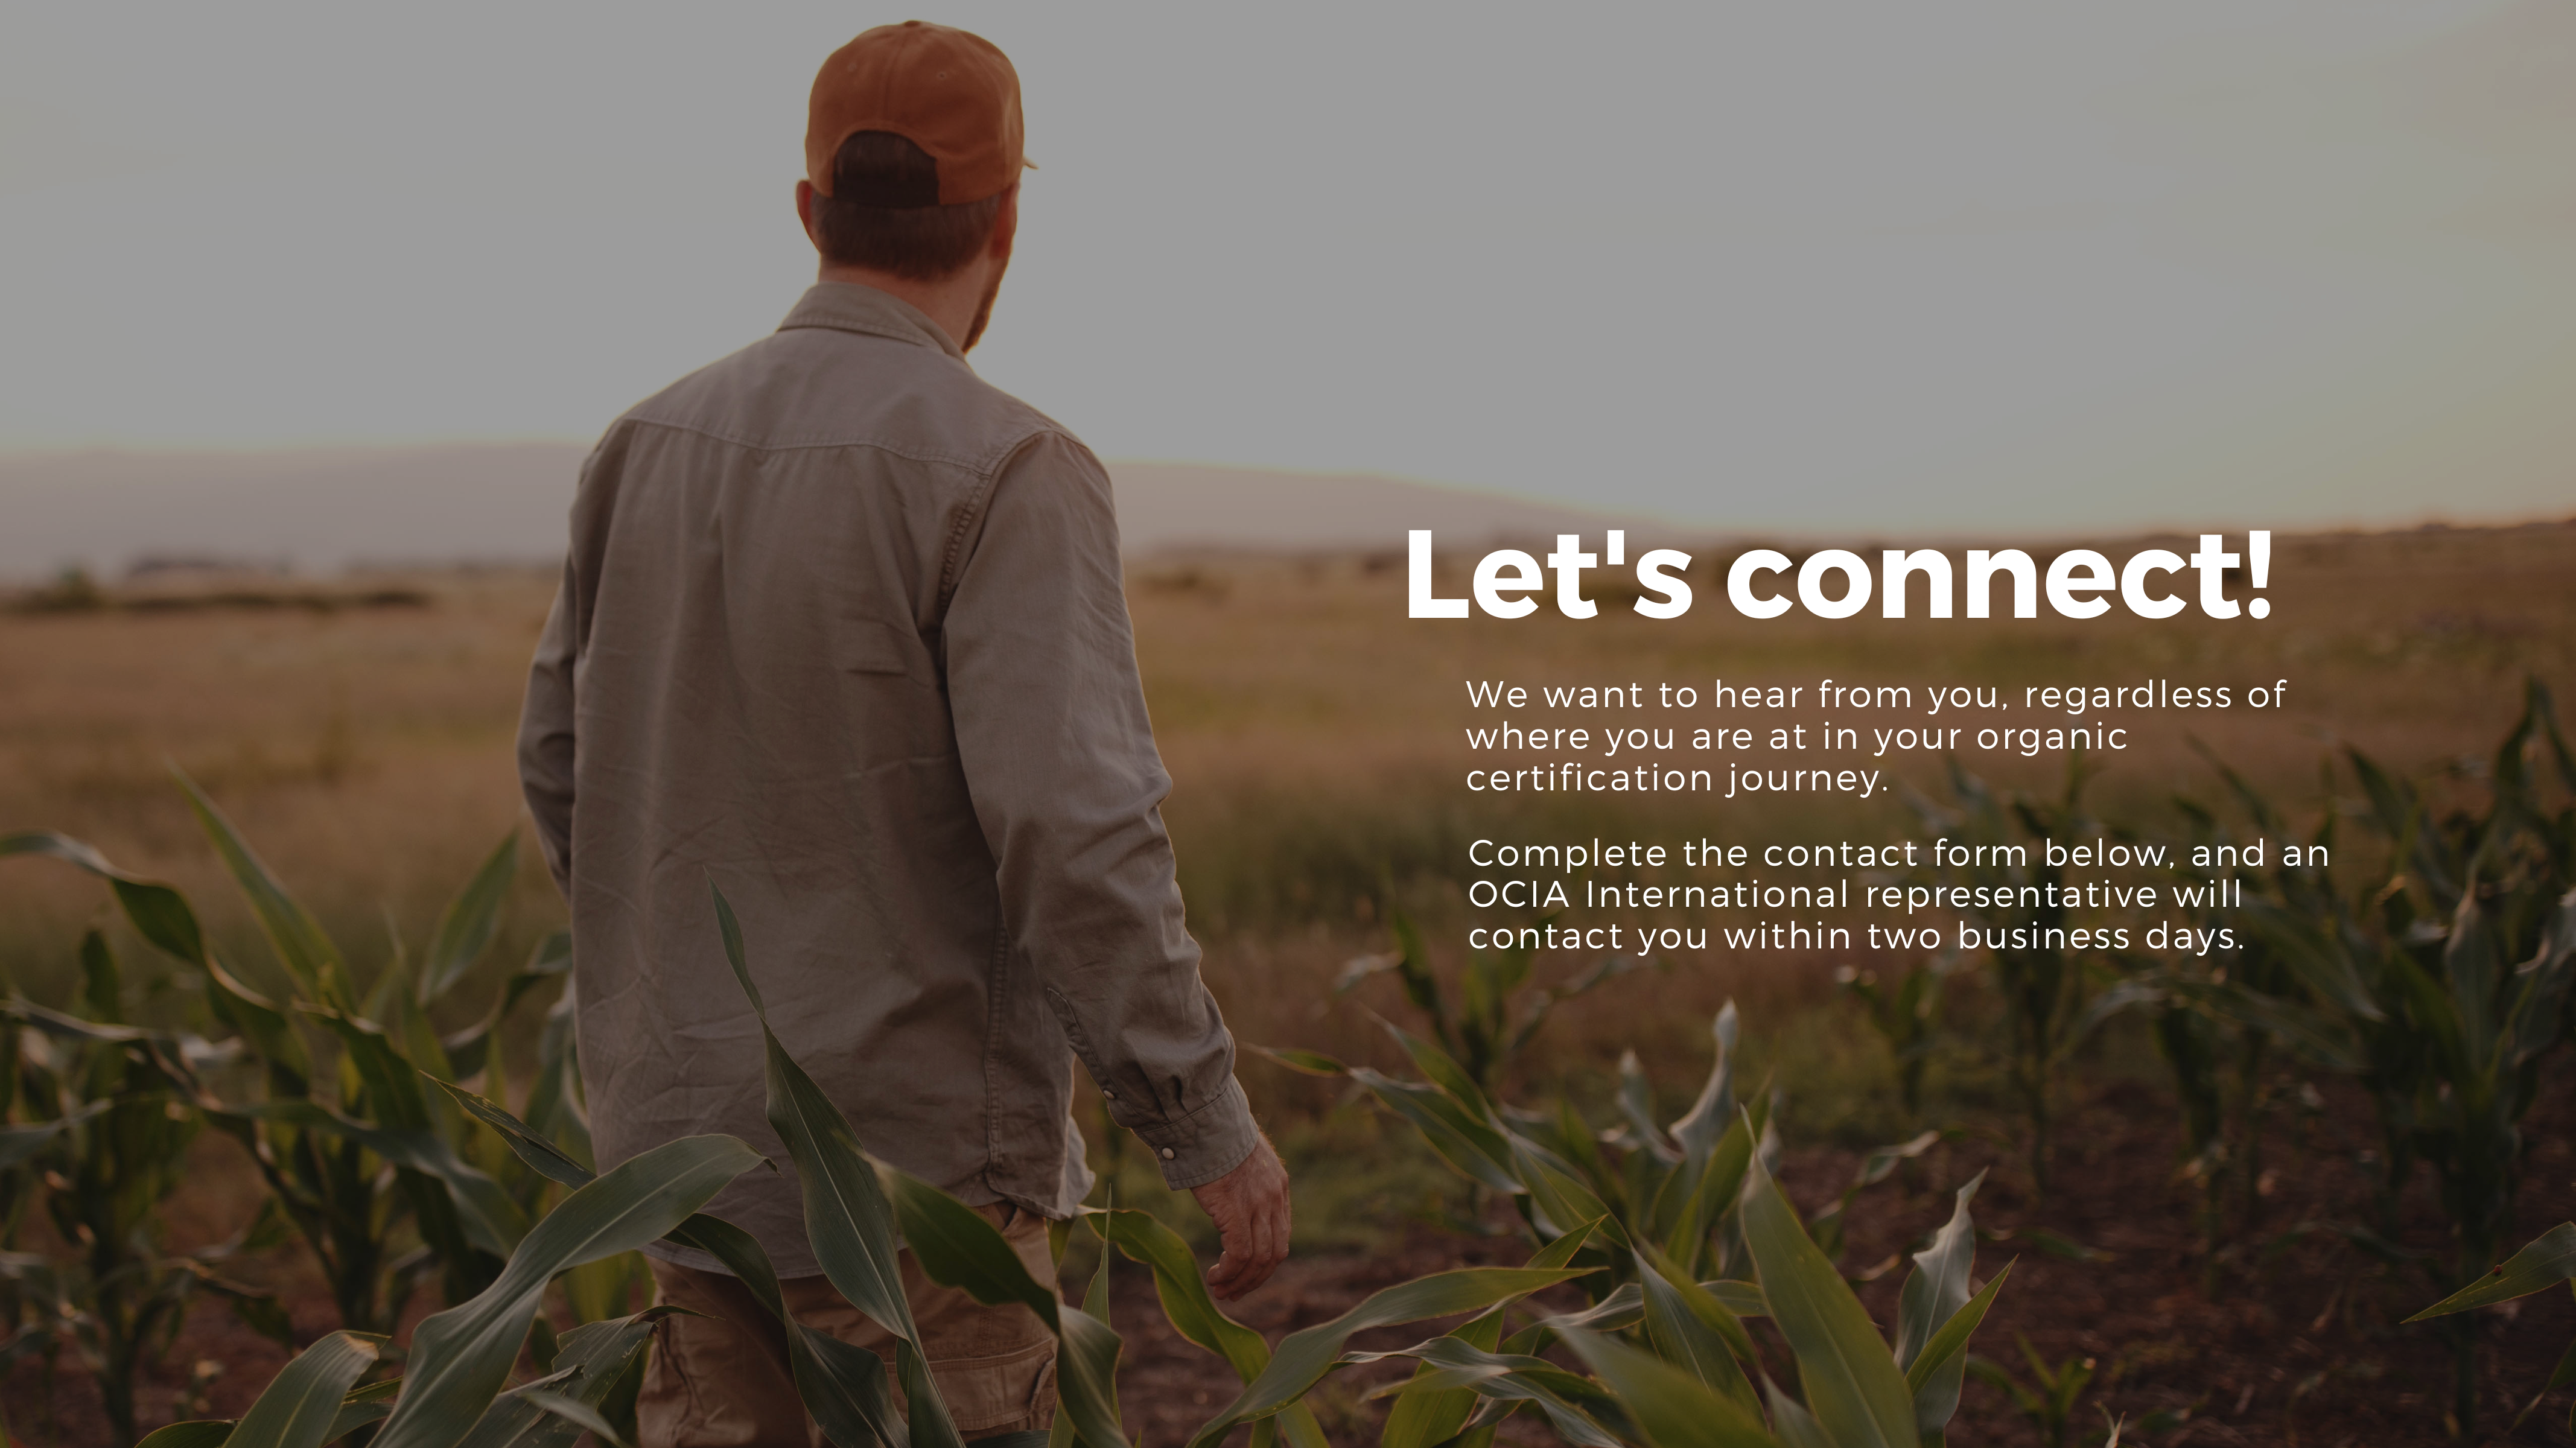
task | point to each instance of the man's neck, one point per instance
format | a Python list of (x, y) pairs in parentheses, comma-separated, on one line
[(950, 301)]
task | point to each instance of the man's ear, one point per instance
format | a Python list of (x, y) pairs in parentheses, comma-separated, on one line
[(805, 212), (1006, 223)]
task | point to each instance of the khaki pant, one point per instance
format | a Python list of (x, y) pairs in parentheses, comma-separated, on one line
[(722, 1380)]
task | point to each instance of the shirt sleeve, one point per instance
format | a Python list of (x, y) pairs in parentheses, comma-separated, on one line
[(1059, 758), (545, 736)]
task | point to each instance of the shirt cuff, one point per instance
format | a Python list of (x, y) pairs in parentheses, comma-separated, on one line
[(1207, 1143)]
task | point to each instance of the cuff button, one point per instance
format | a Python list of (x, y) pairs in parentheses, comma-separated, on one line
[(1167, 1153)]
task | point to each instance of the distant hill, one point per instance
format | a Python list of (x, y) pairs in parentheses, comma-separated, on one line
[(323, 510), (1175, 505)]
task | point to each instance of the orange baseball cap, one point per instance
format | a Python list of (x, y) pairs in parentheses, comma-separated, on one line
[(952, 94)]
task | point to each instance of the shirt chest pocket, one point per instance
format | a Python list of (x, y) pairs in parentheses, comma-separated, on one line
[(872, 646), (892, 706)]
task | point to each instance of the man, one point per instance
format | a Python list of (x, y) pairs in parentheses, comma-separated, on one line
[(841, 629)]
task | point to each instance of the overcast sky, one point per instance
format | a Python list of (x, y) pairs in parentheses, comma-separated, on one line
[(1951, 267)]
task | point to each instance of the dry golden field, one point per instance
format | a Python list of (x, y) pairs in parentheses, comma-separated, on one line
[(1314, 734)]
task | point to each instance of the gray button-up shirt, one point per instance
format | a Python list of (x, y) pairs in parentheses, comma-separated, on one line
[(841, 629)]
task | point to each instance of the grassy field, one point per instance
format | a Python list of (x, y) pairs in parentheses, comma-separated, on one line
[(360, 735), (1315, 735)]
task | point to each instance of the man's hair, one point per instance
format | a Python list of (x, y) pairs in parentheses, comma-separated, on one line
[(884, 212)]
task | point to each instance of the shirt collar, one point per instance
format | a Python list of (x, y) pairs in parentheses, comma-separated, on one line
[(852, 307)]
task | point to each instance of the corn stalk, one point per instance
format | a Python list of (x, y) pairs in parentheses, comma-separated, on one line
[(2441, 984)]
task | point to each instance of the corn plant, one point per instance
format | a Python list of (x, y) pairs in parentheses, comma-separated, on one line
[(1667, 1184), (2047, 1402), (1989, 843), (1646, 1209), (1907, 1016), (1492, 1018), (106, 1131), (2440, 984), (2223, 1058), (1671, 1362), (2543, 1263), (372, 1167)]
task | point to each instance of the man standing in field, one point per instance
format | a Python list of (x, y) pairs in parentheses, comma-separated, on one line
[(841, 628)]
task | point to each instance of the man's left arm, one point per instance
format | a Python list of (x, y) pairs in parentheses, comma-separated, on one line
[(1059, 757)]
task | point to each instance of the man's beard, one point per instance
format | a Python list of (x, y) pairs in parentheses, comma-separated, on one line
[(983, 314)]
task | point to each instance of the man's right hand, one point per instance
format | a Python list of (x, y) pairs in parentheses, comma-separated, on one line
[(1250, 1208)]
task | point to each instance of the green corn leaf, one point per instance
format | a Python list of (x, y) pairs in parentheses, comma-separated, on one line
[(2325, 1040), (956, 1247), (2533, 1022), (1939, 1286), (602, 1291), (2472, 962), (1430, 1408), (1473, 1147), (1304, 1357), (1413, 966), (537, 1151), (588, 1367), (1744, 1299), (1442, 1070), (467, 925), (1932, 1297), (1637, 1104), (300, 1404), (193, 1433), (301, 946), (2437, 1017), (1191, 1311), (364, 1405), (1095, 1301), (1709, 1186), (1936, 1374), (2549, 1260), (1852, 1383), (1309, 1063), (18, 1143), (490, 1218), (1672, 1408), (1425, 1414), (845, 1209), (582, 1416), (1694, 1332), (393, 1095), (470, 1050), (846, 1213), (1623, 1308), (264, 1025), (1714, 1113), (461, 1357), (1796, 1426), (852, 1212), (256, 1308), (2314, 956), (1455, 1366), (1562, 1201), (160, 914), (844, 1387), (552, 1106)]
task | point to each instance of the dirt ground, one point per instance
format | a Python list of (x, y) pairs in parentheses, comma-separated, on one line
[(2298, 1345)]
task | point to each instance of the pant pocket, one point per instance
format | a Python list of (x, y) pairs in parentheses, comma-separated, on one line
[(1005, 1390)]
